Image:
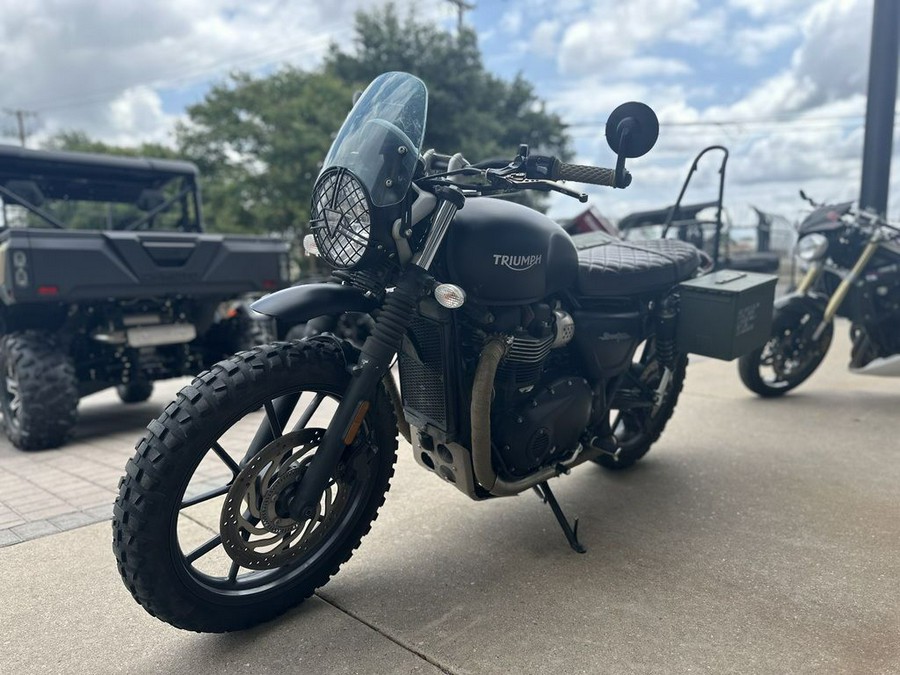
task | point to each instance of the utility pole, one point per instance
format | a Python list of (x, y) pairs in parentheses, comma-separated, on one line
[(20, 116), (880, 104), (461, 8)]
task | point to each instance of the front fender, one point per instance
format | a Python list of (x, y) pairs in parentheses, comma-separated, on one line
[(812, 302), (299, 304)]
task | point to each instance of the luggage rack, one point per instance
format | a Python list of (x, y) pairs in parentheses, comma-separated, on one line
[(685, 221)]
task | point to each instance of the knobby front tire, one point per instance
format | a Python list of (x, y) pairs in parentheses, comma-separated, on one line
[(227, 577)]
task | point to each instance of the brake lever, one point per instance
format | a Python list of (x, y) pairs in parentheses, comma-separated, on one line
[(550, 186)]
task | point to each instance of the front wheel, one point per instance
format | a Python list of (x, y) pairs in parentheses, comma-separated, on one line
[(649, 401), (201, 531), (791, 354)]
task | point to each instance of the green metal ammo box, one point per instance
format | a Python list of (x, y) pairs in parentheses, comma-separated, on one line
[(725, 314)]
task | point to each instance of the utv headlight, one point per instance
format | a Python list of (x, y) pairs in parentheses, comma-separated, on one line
[(812, 247)]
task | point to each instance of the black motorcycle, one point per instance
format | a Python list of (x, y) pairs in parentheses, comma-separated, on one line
[(523, 352), (853, 271)]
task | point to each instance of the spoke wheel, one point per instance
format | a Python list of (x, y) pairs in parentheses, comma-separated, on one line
[(202, 531), (654, 391), (790, 355)]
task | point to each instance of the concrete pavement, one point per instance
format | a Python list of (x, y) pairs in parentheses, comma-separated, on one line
[(757, 536)]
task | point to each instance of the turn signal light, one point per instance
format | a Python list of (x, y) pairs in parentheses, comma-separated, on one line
[(450, 296)]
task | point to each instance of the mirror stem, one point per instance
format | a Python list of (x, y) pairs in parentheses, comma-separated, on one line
[(623, 178)]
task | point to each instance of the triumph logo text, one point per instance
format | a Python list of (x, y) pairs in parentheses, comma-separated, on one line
[(517, 263)]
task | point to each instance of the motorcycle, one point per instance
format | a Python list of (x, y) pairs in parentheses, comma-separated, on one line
[(853, 271), (522, 353)]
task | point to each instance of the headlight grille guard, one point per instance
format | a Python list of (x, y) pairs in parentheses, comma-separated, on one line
[(340, 218)]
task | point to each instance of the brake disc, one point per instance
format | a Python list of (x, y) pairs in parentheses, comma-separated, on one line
[(254, 534)]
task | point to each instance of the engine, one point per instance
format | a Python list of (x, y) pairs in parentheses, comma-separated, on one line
[(540, 406), (538, 413)]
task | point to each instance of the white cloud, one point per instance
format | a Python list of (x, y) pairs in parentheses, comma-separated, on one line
[(616, 31), (752, 44), (78, 62), (803, 122), (651, 66), (512, 21), (137, 116), (545, 38), (767, 8)]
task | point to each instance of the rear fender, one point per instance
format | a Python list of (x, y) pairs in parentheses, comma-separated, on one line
[(299, 304)]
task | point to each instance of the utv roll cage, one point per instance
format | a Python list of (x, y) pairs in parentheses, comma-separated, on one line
[(32, 178)]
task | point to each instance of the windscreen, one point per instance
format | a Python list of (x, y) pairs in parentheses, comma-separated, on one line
[(382, 136)]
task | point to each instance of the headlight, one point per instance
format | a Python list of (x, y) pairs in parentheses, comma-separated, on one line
[(812, 247), (339, 218)]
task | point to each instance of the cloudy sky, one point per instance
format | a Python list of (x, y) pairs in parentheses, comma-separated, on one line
[(781, 83)]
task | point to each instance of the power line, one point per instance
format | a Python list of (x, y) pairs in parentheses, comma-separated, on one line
[(787, 118)]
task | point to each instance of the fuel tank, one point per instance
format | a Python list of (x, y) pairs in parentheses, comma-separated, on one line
[(503, 253)]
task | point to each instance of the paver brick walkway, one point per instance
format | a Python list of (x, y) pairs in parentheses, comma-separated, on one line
[(55, 490)]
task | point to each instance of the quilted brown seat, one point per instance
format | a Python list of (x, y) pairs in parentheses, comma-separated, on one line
[(632, 268)]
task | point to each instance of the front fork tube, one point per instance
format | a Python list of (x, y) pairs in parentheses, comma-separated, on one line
[(374, 361), (843, 288), (810, 278)]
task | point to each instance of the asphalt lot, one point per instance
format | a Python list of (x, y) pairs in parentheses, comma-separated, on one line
[(756, 537)]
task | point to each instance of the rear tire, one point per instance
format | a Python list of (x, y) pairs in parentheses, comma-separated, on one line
[(39, 392), (789, 353), (637, 429), (147, 540)]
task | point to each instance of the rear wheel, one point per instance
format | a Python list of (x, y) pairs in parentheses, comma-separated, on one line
[(791, 354), (39, 391), (639, 425), (200, 530)]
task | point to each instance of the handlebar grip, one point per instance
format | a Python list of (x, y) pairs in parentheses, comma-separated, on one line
[(581, 173)]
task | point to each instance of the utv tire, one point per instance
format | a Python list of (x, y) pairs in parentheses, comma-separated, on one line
[(135, 392), (160, 575), (39, 391), (637, 430), (255, 331)]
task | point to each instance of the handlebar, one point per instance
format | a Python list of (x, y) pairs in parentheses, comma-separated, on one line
[(539, 172), (551, 168), (581, 173)]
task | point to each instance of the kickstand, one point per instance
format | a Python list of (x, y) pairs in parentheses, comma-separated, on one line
[(543, 491)]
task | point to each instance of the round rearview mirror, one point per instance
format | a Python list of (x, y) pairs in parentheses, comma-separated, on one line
[(632, 129)]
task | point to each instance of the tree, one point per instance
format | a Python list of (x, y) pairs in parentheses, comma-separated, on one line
[(259, 143), (78, 141), (470, 110)]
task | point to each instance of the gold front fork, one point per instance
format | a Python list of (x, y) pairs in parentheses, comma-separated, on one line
[(809, 279), (843, 288)]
